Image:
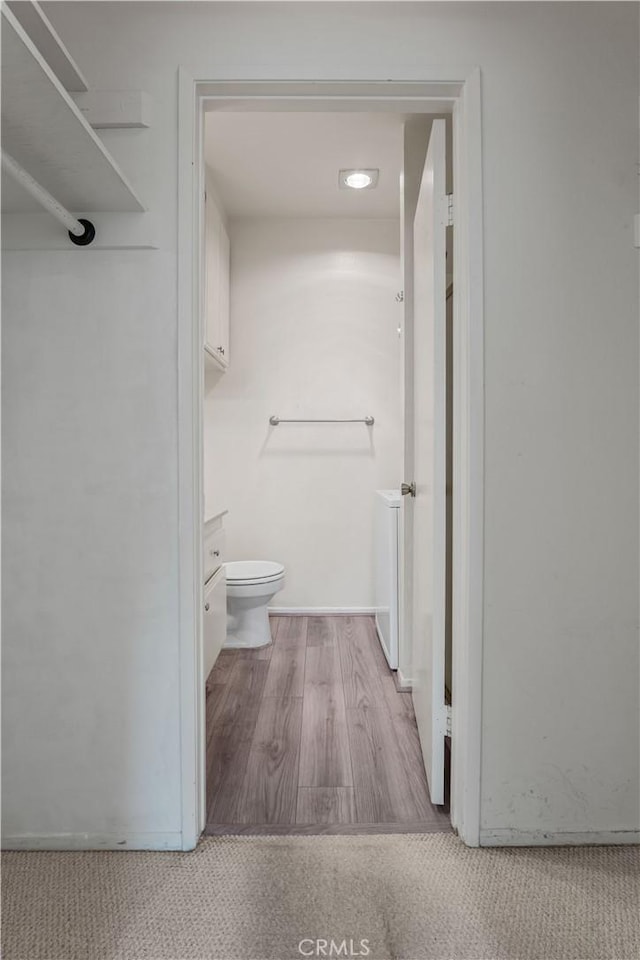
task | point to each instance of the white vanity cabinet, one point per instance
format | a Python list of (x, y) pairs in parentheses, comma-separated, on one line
[(215, 592), (215, 619), (217, 269)]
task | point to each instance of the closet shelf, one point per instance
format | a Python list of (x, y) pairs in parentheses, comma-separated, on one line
[(39, 28), (45, 132)]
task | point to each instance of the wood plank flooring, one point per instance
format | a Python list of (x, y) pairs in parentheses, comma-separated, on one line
[(310, 735)]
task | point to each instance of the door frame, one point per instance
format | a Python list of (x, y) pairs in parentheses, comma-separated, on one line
[(436, 90)]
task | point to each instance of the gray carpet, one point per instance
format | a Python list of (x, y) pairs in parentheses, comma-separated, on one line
[(411, 897)]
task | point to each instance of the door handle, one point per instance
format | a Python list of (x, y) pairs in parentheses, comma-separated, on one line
[(408, 489)]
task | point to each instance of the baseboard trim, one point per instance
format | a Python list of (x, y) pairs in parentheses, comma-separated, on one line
[(404, 681), (546, 838), (93, 841), (401, 687), (322, 611)]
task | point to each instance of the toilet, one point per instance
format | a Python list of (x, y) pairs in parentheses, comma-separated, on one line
[(251, 585)]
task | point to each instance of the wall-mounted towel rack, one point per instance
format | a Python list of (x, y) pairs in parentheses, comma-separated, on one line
[(274, 421)]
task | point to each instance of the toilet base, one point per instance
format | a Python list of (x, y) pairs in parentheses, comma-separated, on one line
[(248, 627)]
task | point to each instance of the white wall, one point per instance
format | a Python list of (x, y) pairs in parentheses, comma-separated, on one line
[(90, 662), (560, 668), (313, 334)]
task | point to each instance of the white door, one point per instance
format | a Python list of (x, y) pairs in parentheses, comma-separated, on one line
[(427, 433)]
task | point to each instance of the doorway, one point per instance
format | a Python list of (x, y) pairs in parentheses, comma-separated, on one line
[(406, 98)]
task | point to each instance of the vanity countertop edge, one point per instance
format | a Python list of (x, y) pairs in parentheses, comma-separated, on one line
[(213, 517)]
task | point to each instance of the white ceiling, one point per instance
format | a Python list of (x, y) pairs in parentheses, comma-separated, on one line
[(286, 164)]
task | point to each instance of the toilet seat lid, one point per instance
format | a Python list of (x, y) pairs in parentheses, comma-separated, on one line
[(253, 571)]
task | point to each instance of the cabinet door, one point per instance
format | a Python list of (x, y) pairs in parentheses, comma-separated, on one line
[(223, 288), (215, 619), (217, 283)]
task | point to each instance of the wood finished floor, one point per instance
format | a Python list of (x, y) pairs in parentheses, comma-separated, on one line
[(310, 735)]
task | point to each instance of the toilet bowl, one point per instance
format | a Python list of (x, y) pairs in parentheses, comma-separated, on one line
[(251, 584)]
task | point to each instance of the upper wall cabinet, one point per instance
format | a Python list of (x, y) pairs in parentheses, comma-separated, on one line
[(217, 270)]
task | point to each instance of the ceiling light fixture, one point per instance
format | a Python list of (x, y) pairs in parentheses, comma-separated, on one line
[(358, 179)]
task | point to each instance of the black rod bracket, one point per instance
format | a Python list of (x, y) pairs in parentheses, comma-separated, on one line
[(84, 239)]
